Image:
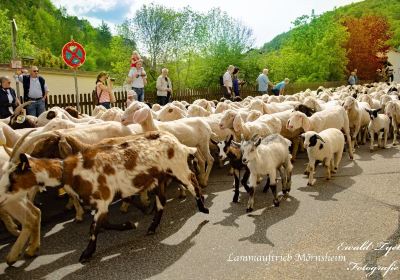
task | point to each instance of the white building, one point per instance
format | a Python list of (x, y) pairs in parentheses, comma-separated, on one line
[(394, 58)]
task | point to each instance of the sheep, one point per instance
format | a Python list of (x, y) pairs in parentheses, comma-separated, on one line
[(392, 109), (333, 117), (379, 124), (326, 146), (269, 108), (193, 132), (263, 126), (318, 105), (264, 157), (171, 112), (204, 103), (253, 115), (304, 109), (221, 107), (358, 117), (132, 167), (373, 103), (229, 149), (197, 111)]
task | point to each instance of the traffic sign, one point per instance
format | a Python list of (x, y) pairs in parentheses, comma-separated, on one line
[(73, 54)]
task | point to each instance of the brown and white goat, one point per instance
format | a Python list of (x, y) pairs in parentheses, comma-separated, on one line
[(94, 176)]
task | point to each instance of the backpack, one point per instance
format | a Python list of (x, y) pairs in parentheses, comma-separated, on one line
[(221, 80)]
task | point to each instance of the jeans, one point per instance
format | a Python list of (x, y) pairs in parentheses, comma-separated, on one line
[(162, 100), (139, 93), (106, 105), (36, 108), (275, 92)]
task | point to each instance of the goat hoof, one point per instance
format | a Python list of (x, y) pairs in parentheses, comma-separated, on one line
[(151, 231), (11, 263), (205, 210), (309, 184), (284, 192), (85, 257), (235, 198), (306, 173), (248, 210), (276, 203), (394, 144), (31, 253)]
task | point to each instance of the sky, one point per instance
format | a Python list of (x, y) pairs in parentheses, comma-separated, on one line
[(265, 17)]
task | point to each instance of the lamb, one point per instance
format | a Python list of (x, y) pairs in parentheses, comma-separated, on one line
[(171, 112), (358, 117), (333, 117), (326, 146), (379, 124), (264, 157), (392, 109), (132, 167), (197, 111), (264, 125), (229, 149)]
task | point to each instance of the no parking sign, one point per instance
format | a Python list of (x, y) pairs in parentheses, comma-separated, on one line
[(73, 54)]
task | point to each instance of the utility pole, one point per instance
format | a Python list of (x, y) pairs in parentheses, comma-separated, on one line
[(14, 30)]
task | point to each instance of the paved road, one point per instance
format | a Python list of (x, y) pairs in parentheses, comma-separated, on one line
[(305, 238)]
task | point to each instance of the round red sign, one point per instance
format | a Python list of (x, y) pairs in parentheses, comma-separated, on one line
[(73, 54)]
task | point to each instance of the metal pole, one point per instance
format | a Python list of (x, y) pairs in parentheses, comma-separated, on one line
[(76, 90), (14, 51)]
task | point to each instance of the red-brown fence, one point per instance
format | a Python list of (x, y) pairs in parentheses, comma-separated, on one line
[(189, 95)]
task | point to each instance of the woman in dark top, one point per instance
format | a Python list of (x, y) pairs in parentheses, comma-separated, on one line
[(236, 82), (8, 99)]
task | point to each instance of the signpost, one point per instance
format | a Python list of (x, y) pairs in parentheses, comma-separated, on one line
[(15, 64), (74, 56)]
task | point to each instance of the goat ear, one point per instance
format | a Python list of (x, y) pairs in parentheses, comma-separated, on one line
[(24, 163), (64, 148), (140, 115), (303, 136), (377, 110), (367, 110), (320, 138)]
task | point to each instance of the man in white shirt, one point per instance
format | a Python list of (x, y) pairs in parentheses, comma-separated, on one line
[(227, 81), (35, 89), (138, 79)]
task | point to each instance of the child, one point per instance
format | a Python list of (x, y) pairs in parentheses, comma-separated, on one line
[(135, 58)]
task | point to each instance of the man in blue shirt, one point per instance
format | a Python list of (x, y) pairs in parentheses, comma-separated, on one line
[(279, 89), (263, 82)]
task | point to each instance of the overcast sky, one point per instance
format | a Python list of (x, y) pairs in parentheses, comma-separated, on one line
[(267, 18)]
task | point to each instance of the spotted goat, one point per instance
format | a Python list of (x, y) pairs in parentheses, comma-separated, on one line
[(95, 176)]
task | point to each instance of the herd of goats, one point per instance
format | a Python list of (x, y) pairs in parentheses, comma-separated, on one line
[(117, 154)]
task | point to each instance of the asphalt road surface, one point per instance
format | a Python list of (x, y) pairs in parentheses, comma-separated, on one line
[(333, 230)]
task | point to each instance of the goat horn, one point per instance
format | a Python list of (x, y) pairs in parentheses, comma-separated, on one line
[(18, 145), (320, 138), (8, 150), (20, 107)]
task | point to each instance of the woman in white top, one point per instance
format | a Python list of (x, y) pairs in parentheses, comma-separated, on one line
[(164, 87)]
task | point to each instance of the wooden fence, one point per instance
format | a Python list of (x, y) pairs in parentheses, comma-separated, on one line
[(189, 95)]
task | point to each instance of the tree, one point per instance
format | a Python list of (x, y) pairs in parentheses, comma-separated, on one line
[(368, 38)]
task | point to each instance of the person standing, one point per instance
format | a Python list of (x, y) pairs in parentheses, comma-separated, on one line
[(35, 89), (352, 79), (389, 71), (164, 87), (138, 78), (236, 82), (8, 98), (227, 82), (263, 82), (279, 88), (104, 89)]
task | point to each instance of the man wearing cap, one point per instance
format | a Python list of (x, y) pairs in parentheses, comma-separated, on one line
[(35, 89)]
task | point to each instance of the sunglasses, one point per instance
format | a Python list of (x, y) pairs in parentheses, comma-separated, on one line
[(35, 71)]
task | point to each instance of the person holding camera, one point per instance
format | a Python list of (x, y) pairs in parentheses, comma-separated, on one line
[(164, 88), (138, 79), (104, 90)]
